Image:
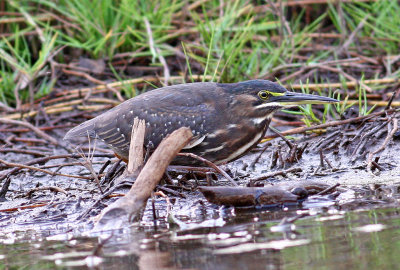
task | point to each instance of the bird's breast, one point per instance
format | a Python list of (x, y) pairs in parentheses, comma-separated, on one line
[(232, 140)]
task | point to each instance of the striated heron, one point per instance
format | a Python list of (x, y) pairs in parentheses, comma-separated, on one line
[(227, 120)]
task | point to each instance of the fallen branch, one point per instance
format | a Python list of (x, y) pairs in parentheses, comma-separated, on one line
[(123, 211)]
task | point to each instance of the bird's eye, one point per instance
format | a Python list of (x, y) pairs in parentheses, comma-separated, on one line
[(263, 94)]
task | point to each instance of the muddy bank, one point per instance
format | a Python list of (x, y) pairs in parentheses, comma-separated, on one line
[(338, 156)]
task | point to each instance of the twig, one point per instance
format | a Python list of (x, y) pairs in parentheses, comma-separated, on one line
[(321, 159), (272, 174), (87, 163), (316, 86), (94, 80), (162, 194), (6, 107), (391, 99), (171, 191), (23, 207), (23, 151), (382, 147), (67, 164), (347, 76), (51, 188), (105, 165), (4, 188), (112, 171), (289, 143), (327, 190), (60, 110), (209, 163), (31, 127), (22, 166), (43, 160), (331, 124), (188, 169), (362, 140), (253, 164), (44, 128)]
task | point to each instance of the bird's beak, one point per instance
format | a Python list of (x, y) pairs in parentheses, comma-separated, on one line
[(293, 99)]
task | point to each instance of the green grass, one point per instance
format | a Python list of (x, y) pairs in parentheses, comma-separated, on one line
[(235, 42)]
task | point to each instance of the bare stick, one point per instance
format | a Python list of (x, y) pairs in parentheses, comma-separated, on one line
[(22, 166), (136, 147), (128, 208), (289, 143), (212, 165)]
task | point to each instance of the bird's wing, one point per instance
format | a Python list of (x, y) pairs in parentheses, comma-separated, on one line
[(163, 113)]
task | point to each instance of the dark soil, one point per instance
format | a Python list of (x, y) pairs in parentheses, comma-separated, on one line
[(38, 200)]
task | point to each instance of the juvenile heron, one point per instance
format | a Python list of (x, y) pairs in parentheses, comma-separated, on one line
[(227, 119)]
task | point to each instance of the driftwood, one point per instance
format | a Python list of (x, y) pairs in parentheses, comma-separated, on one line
[(123, 211), (281, 194), (249, 196)]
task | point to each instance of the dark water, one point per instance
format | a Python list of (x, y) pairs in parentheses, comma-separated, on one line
[(205, 237)]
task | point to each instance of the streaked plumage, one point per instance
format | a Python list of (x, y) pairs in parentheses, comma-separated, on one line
[(227, 120)]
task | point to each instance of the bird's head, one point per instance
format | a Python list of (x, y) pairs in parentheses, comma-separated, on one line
[(265, 97)]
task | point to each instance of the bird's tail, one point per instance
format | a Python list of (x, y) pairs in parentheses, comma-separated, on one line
[(85, 129)]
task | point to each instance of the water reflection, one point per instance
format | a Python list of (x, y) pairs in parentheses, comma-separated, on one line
[(224, 239)]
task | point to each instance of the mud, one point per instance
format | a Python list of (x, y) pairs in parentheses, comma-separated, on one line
[(24, 207)]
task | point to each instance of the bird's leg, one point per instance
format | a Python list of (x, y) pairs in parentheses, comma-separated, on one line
[(149, 147)]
